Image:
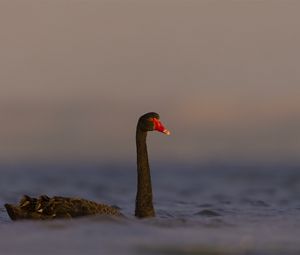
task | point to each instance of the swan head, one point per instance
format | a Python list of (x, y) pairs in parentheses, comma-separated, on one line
[(151, 122)]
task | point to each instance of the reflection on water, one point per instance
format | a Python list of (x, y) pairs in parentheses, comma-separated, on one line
[(200, 210)]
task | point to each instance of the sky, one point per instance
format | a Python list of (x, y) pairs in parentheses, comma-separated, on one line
[(75, 75)]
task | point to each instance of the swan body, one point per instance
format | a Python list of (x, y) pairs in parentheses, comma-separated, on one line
[(44, 207)]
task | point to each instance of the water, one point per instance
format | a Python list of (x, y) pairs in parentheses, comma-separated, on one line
[(206, 210)]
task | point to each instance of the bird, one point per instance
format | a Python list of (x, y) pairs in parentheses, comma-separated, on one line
[(58, 207)]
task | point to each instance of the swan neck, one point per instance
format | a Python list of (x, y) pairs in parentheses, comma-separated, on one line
[(144, 205)]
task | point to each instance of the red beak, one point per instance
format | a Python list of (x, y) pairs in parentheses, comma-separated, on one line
[(160, 127)]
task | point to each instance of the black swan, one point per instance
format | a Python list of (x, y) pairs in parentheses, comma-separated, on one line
[(44, 207)]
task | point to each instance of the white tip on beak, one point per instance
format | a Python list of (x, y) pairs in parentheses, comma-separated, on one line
[(167, 132)]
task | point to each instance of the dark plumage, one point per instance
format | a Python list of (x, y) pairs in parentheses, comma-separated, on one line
[(44, 207)]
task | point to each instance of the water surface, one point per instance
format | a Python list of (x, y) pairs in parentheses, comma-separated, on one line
[(207, 210)]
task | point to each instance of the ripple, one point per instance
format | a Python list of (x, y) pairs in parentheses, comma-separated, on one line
[(257, 203), (208, 213), (205, 205)]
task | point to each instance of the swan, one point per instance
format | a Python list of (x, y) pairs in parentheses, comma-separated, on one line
[(44, 207)]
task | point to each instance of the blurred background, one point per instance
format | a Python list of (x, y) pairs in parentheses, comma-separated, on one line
[(76, 75)]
